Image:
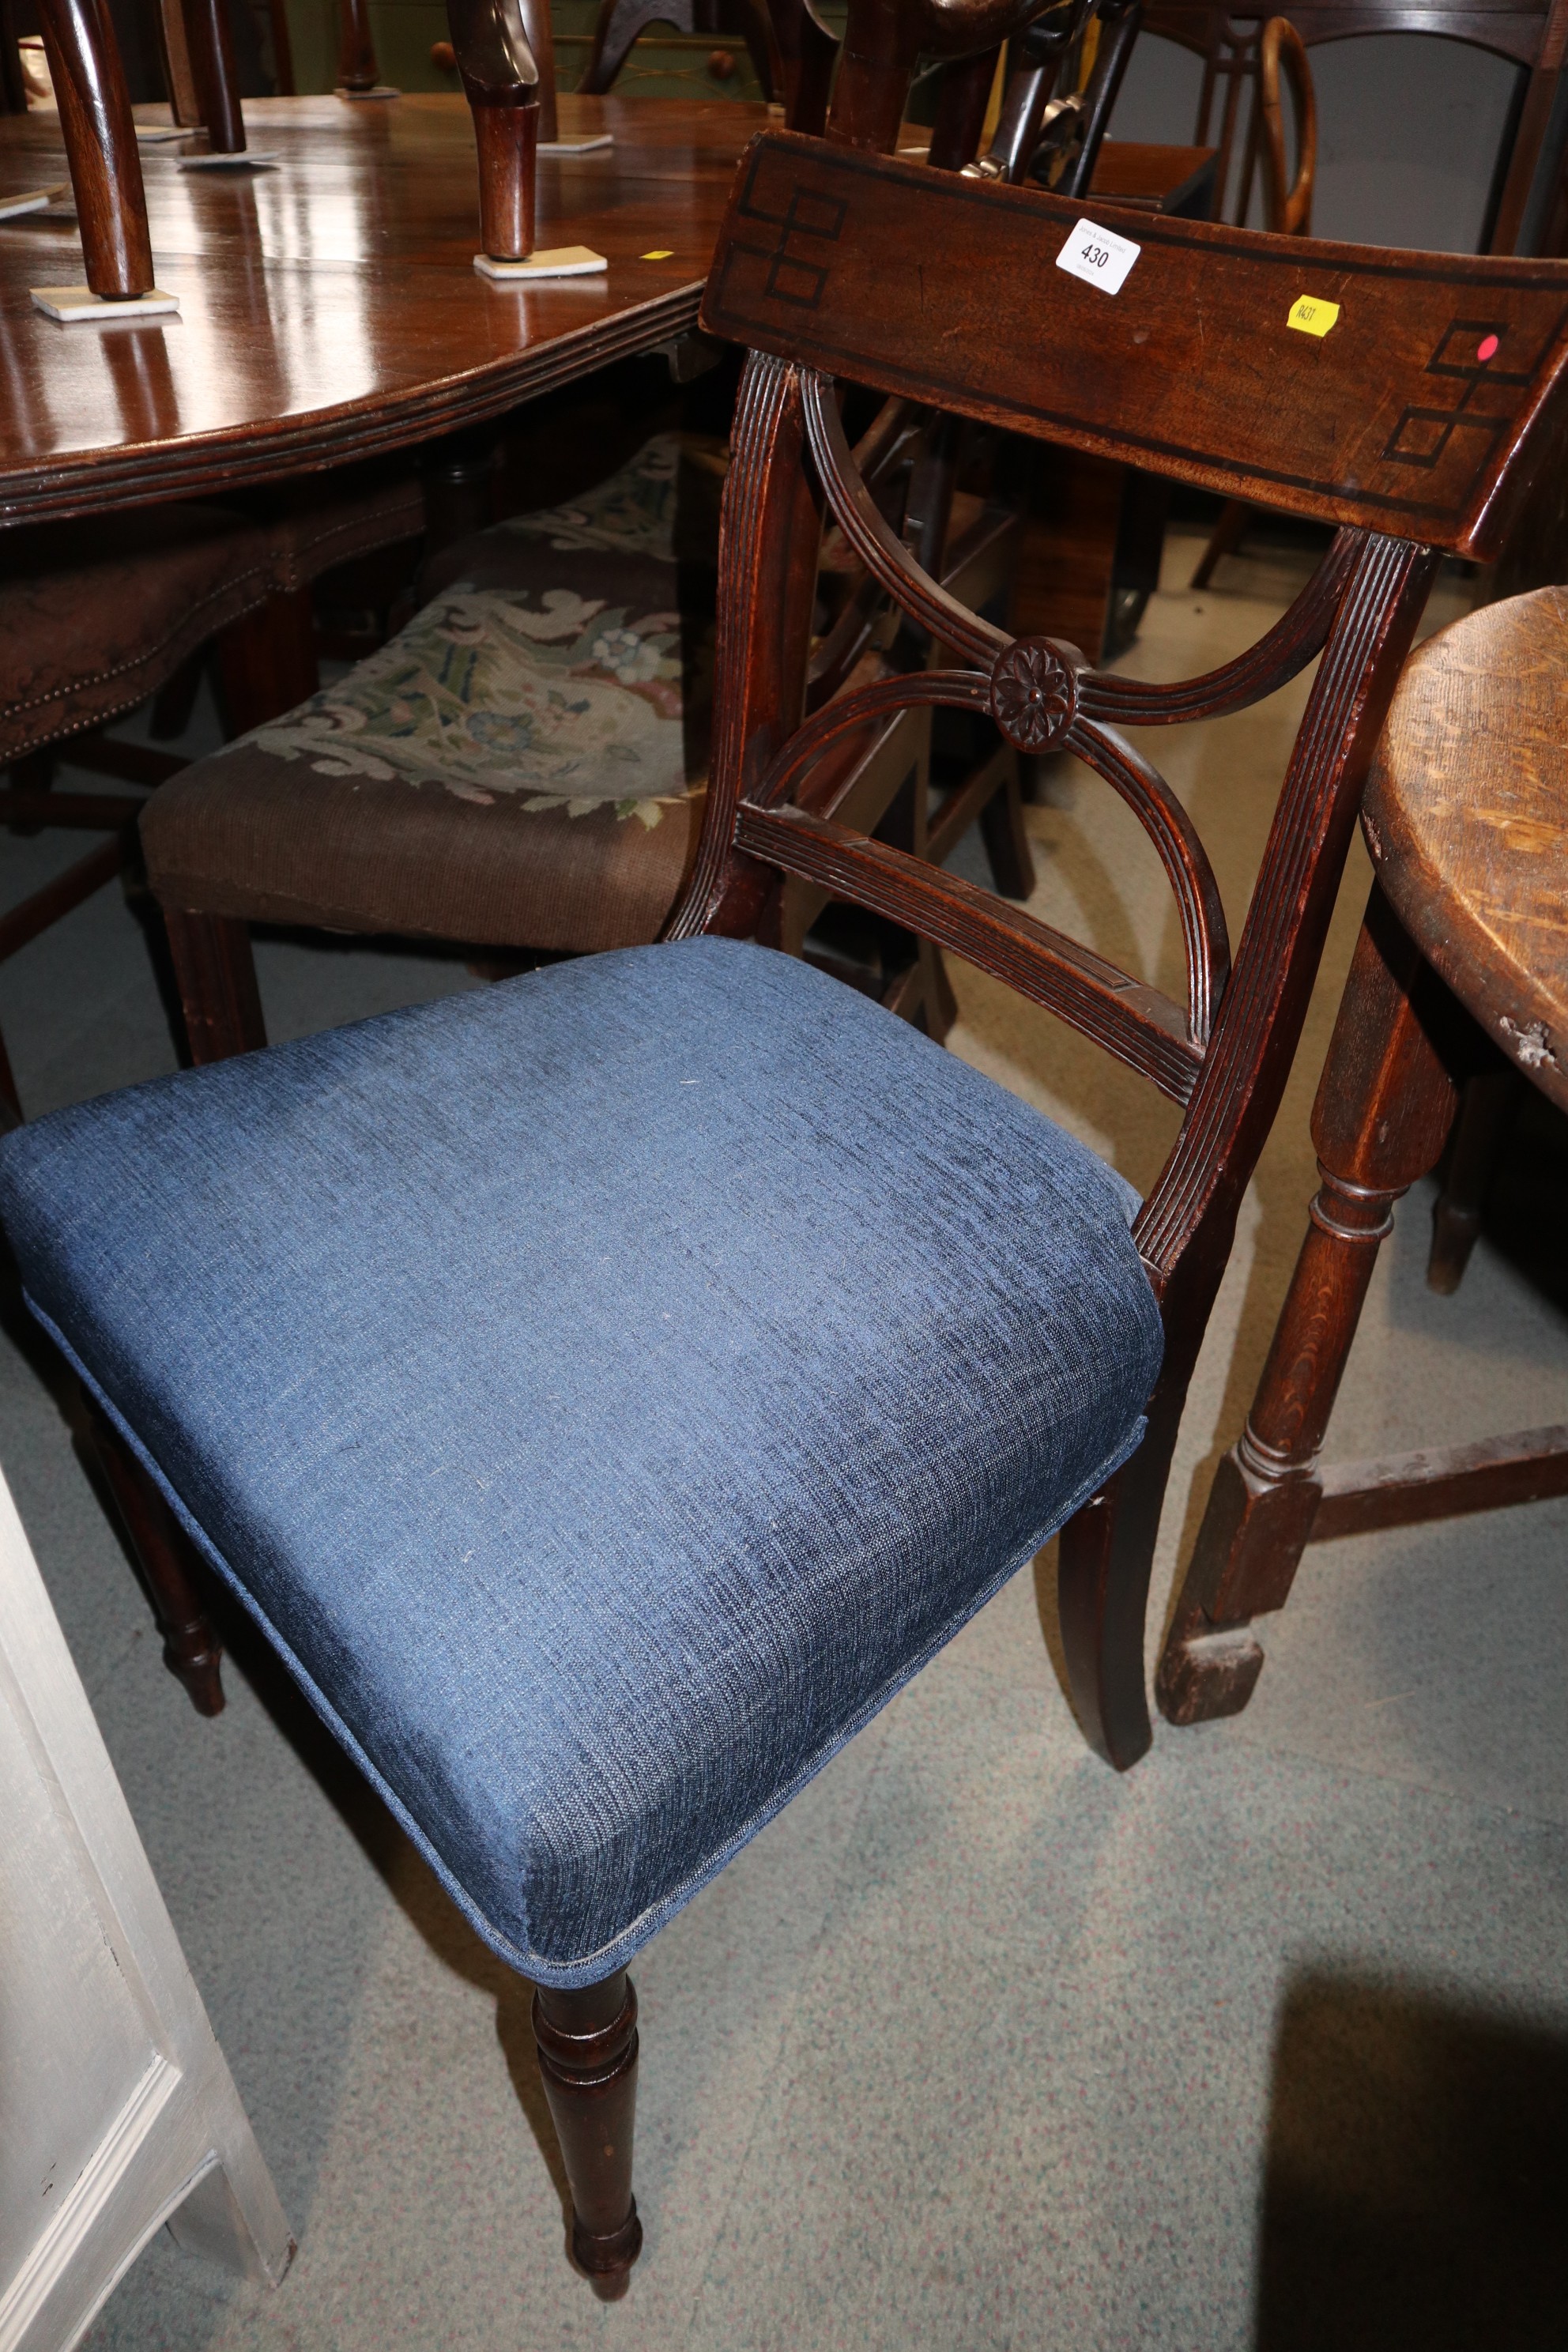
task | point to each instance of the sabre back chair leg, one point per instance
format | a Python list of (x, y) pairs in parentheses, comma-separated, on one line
[(1104, 1557), (190, 1648), (1385, 1106), (1224, 540), (1478, 1133), (587, 2042), (214, 971)]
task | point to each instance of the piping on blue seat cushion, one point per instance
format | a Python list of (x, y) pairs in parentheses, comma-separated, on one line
[(605, 1390)]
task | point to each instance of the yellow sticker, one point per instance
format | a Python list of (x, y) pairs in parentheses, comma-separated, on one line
[(665, 253), (1312, 317)]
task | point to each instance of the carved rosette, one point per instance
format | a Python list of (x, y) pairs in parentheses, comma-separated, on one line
[(1033, 694)]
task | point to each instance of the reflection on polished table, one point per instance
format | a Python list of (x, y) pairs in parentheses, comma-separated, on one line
[(330, 309)]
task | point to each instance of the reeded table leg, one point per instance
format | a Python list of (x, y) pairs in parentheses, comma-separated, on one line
[(1384, 1104), (588, 2057)]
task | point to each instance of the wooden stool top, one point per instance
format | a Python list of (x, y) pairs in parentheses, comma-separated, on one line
[(1466, 814)]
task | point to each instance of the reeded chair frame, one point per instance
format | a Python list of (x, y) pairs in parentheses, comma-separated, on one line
[(847, 264)]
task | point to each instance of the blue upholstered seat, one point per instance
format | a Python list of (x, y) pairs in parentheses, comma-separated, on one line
[(605, 1390)]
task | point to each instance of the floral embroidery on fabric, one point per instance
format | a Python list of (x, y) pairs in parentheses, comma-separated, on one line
[(634, 511), (567, 700)]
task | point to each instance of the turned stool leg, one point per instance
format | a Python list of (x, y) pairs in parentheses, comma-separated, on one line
[(1384, 1104), (588, 2057), (190, 1648)]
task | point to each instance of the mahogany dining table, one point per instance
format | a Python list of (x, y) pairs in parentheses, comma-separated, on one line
[(329, 306)]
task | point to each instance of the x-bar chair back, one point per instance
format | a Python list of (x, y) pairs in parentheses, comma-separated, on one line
[(1413, 424)]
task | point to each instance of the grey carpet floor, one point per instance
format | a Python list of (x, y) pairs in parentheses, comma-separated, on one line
[(978, 2046)]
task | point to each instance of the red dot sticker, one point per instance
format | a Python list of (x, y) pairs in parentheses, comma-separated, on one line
[(1486, 349)]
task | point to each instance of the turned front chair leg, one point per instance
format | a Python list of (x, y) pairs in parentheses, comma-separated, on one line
[(1384, 1104), (588, 2057), (190, 1648)]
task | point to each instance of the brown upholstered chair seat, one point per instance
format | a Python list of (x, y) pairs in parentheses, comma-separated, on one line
[(94, 615), (523, 766)]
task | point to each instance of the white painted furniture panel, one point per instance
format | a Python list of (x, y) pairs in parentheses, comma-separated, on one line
[(119, 2112)]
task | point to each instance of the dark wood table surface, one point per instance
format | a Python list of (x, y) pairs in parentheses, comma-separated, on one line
[(330, 309)]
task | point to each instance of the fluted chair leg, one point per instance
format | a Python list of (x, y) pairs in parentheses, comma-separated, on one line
[(587, 2043)]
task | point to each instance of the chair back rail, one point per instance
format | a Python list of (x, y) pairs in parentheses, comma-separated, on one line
[(1121, 21), (885, 273), (836, 262), (1036, 60)]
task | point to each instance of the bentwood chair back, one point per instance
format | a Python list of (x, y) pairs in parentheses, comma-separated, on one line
[(605, 1390), (1287, 192), (1531, 34), (1287, 203)]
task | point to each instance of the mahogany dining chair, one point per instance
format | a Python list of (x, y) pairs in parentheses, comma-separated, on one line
[(605, 1390), (1461, 952)]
